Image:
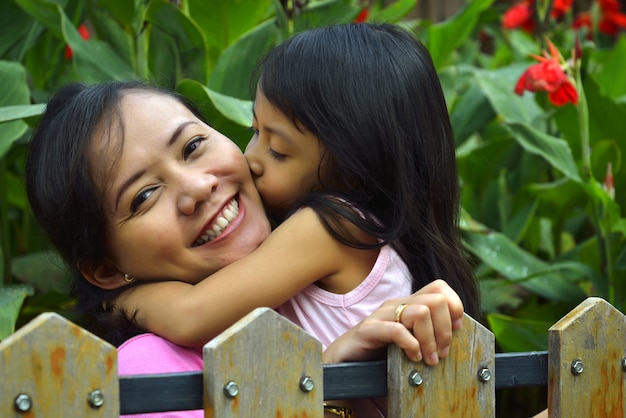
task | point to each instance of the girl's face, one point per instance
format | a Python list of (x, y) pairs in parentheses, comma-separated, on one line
[(181, 203), (284, 158)]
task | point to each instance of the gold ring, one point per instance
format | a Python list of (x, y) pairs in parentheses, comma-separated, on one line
[(399, 311)]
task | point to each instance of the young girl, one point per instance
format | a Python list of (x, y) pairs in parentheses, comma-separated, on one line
[(123, 176)]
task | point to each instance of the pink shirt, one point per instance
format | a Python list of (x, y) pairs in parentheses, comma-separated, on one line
[(150, 354), (327, 315)]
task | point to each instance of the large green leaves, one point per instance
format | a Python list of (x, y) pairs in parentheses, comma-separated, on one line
[(13, 92)]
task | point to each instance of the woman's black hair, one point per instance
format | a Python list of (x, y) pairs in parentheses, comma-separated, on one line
[(65, 200), (371, 94)]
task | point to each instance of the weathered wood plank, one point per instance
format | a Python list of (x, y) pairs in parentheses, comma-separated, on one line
[(53, 368), (585, 375), (263, 359), (453, 387)]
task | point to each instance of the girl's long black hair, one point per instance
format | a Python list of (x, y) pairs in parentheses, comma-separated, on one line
[(371, 94)]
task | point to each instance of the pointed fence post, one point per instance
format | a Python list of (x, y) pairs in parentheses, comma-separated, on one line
[(263, 366), (53, 368), (461, 385), (587, 362)]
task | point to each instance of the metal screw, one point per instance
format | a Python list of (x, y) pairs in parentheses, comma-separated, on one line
[(624, 364), (577, 367), (23, 403), (306, 384), (96, 398), (231, 389), (415, 379), (484, 375)]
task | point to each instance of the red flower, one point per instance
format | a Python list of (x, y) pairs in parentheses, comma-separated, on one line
[(611, 20), (548, 76), (363, 16), (84, 33), (560, 8), (520, 15)]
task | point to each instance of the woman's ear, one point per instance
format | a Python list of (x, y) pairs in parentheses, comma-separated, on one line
[(105, 276)]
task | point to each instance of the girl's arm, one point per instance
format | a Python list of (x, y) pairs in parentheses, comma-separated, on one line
[(298, 253), (425, 332)]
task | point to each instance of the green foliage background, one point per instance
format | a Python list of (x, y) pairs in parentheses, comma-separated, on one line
[(542, 231)]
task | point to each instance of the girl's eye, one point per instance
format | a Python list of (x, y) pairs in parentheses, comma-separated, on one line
[(255, 131), (140, 198), (191, 146), (276, 155)]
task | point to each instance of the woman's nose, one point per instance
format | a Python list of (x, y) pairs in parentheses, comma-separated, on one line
[(195, 190), (254, 162)]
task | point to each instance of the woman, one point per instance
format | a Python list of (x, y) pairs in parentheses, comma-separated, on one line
[(89, 196)]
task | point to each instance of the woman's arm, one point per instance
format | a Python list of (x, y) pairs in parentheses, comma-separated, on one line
[(297, 254)]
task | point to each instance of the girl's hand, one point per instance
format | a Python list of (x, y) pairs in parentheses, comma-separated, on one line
[(423, 332)]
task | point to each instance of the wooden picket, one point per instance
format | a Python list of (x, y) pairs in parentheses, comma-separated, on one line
[(266, 366)]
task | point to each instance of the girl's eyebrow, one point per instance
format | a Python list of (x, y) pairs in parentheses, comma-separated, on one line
[(137, 175)]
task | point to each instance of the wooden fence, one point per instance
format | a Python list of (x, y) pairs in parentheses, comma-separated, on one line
[(264, 366)]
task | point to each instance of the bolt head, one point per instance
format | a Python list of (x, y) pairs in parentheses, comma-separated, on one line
[(484, 375), (231, 389), (96, 398), (307, 384), (577, 367), (23, 403), (415, 378), (624, 364)]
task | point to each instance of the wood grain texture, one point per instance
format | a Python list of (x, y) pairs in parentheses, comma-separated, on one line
[(595, 334), (266, 355), (451, 388), (57, 364)]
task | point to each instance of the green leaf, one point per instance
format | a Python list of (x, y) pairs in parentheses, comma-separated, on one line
[(11, 113), (187, 52), (519, 266), (15, 26), (226, 21), (233, 71), (554, 150), (229, 115), (498, 87), (518, 334), (394, 12), (45, 12), (13, 91), (444, 37), (94, 60), (11, 300), (44, 271), (606, 67)]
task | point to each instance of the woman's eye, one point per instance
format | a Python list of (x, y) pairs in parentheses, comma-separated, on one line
[(191, 146), (140, 198)]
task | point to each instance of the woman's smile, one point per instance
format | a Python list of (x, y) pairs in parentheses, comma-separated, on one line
[(219, 224)]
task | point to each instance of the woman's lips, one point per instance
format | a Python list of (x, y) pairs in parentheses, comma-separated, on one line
[(228, 214)]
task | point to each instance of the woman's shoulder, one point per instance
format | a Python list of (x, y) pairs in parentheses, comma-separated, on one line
[(149, 353)]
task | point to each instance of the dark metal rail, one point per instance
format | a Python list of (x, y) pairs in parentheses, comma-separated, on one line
[(183, 391)]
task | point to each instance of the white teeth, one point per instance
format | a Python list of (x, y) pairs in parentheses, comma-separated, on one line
[(229, 215), (224, 219), (223, 222)]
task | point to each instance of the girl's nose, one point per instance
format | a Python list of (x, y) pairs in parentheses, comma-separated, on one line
[(251, 154), (195, 190)]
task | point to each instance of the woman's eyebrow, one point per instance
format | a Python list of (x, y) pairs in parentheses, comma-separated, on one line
[(135, 176)]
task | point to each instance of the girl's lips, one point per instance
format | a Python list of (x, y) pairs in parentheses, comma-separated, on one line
[(216, 227)]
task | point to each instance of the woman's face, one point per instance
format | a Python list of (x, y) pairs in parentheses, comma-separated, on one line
[(181, 203)]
